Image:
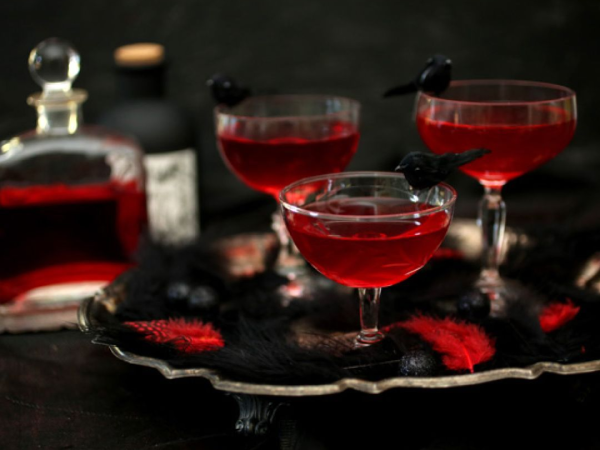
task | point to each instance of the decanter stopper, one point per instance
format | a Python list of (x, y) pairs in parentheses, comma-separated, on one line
[(54, 64)]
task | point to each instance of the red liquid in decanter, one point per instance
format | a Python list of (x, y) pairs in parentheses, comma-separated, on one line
[(59, 234)]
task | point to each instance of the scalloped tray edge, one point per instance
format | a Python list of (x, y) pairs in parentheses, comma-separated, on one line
[(370, 387)]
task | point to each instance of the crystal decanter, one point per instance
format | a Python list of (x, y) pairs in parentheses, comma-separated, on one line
[(72, 202)]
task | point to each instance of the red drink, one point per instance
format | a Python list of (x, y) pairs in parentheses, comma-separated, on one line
[(367, 254), (517, 144), (270, 165), (59, 234)]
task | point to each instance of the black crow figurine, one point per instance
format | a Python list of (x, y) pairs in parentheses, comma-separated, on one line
[(225, 90), (435, 77), (424, 170)]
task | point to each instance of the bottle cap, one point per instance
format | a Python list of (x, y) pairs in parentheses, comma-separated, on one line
[(54, 64), (140, 54)]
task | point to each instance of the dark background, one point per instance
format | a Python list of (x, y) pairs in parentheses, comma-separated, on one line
[(59, 391), (345, 47)]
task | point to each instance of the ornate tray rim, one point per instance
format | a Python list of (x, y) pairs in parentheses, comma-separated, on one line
[(370, 387)]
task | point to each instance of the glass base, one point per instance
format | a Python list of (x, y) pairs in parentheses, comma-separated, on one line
[(291, 265), (249, 254), (489, 279), (306, 285), (498, 292), (366, 339)]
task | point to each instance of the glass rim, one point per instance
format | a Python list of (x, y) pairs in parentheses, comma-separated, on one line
[(357, 217), (567, 93), (222, 110)]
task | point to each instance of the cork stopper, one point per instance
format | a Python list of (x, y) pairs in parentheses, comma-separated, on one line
[(140, 54)]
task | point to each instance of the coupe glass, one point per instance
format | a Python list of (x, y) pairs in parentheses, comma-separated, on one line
[(271, 141), (523, 123), (366, 230)]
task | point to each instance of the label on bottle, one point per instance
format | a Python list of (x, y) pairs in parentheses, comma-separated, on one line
[(172, 189)]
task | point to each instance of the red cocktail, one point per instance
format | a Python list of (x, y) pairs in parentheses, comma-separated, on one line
[(367, 230), (516, 148), (270, 165), (272, 141), (524, 124), (368, 254)]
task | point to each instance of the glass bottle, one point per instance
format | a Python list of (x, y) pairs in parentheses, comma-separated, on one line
[(72, 202), (166, 134)]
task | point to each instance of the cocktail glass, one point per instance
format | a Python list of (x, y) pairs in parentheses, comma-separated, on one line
[(271, 141), (366, 230), (523, 123)]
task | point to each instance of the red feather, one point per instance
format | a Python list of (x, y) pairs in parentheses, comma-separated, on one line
[(462, 345), (188, 336), (555, 315)]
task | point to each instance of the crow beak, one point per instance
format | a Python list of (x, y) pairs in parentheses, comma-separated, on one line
[(401, 168)]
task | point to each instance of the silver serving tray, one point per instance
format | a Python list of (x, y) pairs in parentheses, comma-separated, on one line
[(106, 301)]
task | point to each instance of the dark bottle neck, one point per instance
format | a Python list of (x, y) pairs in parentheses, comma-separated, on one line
[(141, 82)]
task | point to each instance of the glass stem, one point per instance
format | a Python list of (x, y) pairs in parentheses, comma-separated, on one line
[(492, 220), (369, 317), (289, 262)]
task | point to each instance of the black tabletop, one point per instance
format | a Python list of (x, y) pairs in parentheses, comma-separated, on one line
[(58, 391)]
